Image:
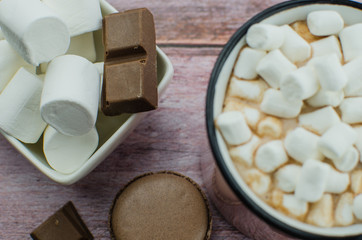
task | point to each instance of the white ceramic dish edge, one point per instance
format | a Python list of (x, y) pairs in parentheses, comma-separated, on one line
[(117, 137)]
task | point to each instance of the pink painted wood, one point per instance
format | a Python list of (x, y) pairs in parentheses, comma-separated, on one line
[(173, 137)]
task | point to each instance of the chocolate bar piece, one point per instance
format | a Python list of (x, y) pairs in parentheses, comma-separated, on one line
[(130, 74), (65, 224)]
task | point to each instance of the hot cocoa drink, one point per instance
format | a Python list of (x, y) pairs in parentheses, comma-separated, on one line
[(292, 118)]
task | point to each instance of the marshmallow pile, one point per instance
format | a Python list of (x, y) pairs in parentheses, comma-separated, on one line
[(49, 83), (292, 118)]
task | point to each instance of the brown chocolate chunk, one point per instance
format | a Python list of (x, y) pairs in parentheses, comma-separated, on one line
[(162, 206), (65, 224), (130, 74)]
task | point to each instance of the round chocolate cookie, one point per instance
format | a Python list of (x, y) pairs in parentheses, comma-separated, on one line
[(163, 205)]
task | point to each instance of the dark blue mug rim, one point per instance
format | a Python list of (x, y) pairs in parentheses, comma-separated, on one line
[(210, 116)]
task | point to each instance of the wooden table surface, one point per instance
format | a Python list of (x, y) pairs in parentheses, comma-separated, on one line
[(192, 33)]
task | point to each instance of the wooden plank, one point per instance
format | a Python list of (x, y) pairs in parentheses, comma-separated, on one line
[(201, 22)]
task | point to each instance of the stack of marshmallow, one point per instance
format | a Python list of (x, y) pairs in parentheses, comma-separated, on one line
[(288, 79), (54, 39)]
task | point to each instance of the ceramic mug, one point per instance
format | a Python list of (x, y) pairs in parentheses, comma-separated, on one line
[(231, 195)]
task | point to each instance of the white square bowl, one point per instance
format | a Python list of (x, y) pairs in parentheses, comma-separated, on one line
[(112, 130)]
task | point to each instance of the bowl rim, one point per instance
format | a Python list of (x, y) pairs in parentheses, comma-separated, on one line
[(209, 115)]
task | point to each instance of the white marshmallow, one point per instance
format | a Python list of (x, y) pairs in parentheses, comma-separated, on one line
[(83, 45), (66, 154), (81, 16), (33, 30), (295, 48), (300, 84), (301, 145), (20, 101), (358, 143), (249, 90), (356, 181), (233, 127), (353, 71), (287, 177), (245, 153), (327, 46), (351, 110), (312, 181), (69, 101), (274, 103), (357, 206), (325, 22), (248, 59), (265, 36), (335, 142), (337, 182), (274, 67), (270, 127), (10, 62), (270, 156), (321, 212), (258, 181), (348, 161), (319, 120), (294, 206), (330, 72), (350, 40), (344, 215), (326, 98), (252, 116)]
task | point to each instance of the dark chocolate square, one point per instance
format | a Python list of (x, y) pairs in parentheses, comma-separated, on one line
[(130, 66), (65, 224), (129, 33), (128, 91)]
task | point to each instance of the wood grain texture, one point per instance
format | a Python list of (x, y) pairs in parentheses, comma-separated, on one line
[(173, 137), (202, 22)]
